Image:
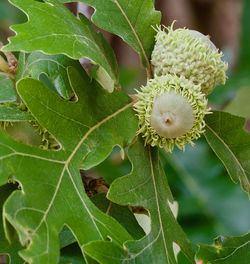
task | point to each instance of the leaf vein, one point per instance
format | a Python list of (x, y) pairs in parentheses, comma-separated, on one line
[(71, 156), (230, 151), (135, 34)]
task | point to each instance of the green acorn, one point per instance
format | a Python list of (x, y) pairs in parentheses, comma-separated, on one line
[(171, 111), (191, 54)]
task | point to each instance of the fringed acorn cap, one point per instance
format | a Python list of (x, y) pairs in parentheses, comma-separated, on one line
[(191, 54), (171, 111)]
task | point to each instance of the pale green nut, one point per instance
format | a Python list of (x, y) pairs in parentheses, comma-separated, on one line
[(191, 54), (171, 112)]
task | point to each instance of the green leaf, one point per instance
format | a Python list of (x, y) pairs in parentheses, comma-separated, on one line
[(94, 108), (226, 250), (66, 237), (53, 29), (6, 247), (145, 186), (108, 253), (231, 143), (11, 114), (54, 66), (7, 91), (210, 203), (132, 20), (240, 104), (121, 213), (52, 193)]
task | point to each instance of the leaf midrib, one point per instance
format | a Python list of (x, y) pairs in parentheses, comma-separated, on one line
[(157, 202), (134, 32)]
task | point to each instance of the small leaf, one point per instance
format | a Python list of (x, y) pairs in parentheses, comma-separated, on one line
[(52, 193), (231, 143), (7, 90), (226, 250), (12, 114), (53, 29), (9, 248), (145, 186), (54, 66)]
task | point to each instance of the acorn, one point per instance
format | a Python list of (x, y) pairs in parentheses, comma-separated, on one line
[(171, 111), (191, 54)]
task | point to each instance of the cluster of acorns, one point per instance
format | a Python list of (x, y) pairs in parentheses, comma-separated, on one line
[(171, 107)]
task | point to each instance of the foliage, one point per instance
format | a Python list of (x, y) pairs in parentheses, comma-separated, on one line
[(226, 250), (5, 247), (51, 213), (145, 186), (68, 35), (231, 144)]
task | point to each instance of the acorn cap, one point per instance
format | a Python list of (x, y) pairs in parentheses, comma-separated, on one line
[(191, 54), (171, 111)]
